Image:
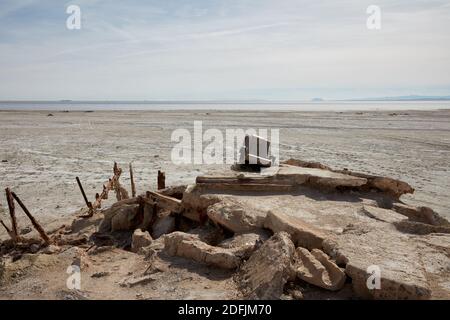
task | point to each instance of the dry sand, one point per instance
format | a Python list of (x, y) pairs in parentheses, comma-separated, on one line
[(44, 153)]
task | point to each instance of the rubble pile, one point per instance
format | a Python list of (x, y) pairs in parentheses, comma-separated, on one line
[(305, 226)]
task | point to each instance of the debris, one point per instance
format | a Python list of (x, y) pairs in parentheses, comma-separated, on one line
[(265, 273), (140, 239), (392, 187), (132, 282), (305, 204), (419, 227), (306, 164), (231, 215), (12, 213), (25, 230), (316, 268), (196, 201), (119, 218), (318, 177), (88, 204), (244, 244), (35, 224), (34, 248), (133, 186), (421, 214), (51, 249), (389, 251), (302, 233), (383, 214), (113, 183), (100, 274), (164, 202), (189, 246), (161, 180), (163, 225)]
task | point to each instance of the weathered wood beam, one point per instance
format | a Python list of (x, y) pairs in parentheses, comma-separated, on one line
[(133, 186), (12, 213), (163, 201), (247, 186), (161, 180), (243, 180), (35, 224)]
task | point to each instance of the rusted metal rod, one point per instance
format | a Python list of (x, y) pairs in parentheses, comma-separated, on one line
[(133, 186), (12, 213), (89, 204), (35, 224)]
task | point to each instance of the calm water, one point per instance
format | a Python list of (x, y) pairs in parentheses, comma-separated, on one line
[(297, 106)]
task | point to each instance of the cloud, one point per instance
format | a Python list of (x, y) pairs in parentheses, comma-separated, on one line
[(222, 49)]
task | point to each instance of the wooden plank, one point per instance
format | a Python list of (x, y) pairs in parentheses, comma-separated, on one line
[(163, 201), (242, 180), (247, 186)]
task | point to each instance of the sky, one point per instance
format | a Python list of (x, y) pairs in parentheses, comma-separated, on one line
[(223, 50)]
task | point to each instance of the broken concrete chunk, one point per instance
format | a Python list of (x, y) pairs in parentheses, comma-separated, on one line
[(51, 249), (380, 251), (302, 233), (195, 202), (306, 164), (147, 219), (395, 187), (421, 214), (435, 255), (163, 225), (188, 246), (316, 268), (384, 215), (318, 177), (119, 218), (265, 273), (132, 282), (82, 224), (390, 186), (140, 239), (231, 215), (419, 228), (174, 191), (244, 244), (209, 234)]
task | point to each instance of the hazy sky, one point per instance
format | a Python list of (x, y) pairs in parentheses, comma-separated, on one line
[(223, 49)]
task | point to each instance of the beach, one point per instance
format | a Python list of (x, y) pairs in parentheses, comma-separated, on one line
[(42, 154)]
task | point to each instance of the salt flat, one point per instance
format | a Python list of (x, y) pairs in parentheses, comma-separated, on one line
[(45, 153)]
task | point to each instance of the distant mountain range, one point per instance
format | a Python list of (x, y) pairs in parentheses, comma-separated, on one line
[(231, 101), (406, 98)]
